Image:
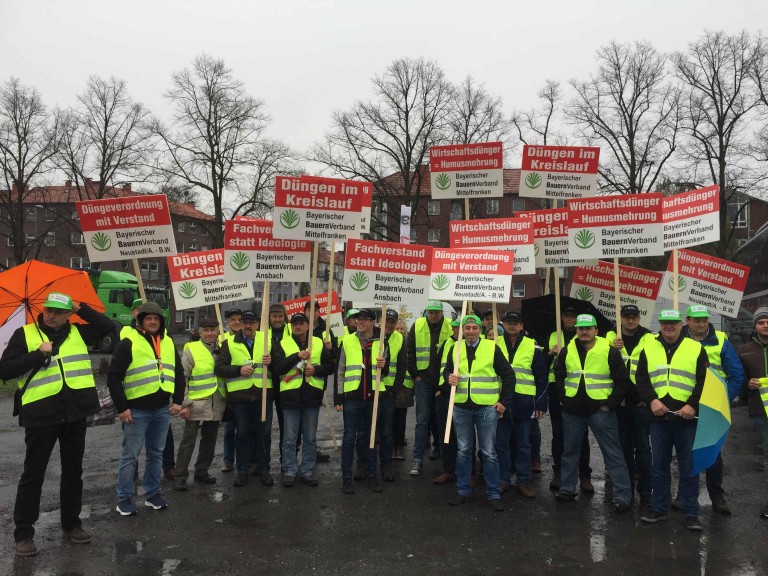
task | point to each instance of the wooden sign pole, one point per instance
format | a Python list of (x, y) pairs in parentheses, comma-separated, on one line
[(456, 358)]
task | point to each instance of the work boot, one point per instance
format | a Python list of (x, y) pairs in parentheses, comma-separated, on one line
[(266, 479), (205, 478), (289, 481), (675, 504), (536, 465), (322, 457), (386, 473), (26, 548), (554, 484), (526, 490), (444, 478), (227, 467), (585, 485), (359, 475), (240, 480), (720, 506), (180, 484), (503, 487), (347, 487), (565, 496), (169, 473), (78, 535), (374, 485)]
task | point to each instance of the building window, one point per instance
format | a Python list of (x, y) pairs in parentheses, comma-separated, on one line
[(457, 210), (518, 290), (180, 248), (192, 246), (79, 262), (414, 236), (75, 215), (203, 230), (50, 215), (518, 204), (50, 239), (204, 247), (30, 213), (193, 227), (29, 237), (492, 206), (179, 316), (77, 239), (433, 235), (9, 240), (738, 212), (180, 227), (433, 208)]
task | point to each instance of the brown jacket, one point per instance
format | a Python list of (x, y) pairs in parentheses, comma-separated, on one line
[(754, 356)]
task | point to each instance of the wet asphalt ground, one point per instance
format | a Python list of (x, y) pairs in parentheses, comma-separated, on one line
[(407, 529)]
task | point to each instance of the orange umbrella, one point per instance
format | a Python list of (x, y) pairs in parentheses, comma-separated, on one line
[(30, 283)]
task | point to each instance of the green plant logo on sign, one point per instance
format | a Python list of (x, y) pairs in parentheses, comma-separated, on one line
[(443, 181), (101, 242), (289, 219), (681, 283), (188, 290), (584, 239), (585, 293), (359, 281), (240, 261), (440, 282), (533, 181)]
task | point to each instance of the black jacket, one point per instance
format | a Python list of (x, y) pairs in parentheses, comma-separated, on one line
[(502, 368), (68, 405), (122, 358), (306, 396), (365, 390), (645, 388), (225, 369), (582, 404)]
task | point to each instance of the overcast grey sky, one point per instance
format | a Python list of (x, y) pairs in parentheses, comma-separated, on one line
[(306, 59)]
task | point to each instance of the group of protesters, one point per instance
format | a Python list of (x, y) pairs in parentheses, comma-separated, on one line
[(480, 385)]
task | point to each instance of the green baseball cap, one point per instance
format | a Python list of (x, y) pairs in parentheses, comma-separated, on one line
[(584, 320), (136, 304), (435, 305), (352, 312), (58, 300), (472, 317), (455, 323), (697, 311), (670, 315)]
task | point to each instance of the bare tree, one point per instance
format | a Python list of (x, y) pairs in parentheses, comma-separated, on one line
[(105, 138), (720, 98), (386, 141), (540, 126), (29, 139), (211, 139), (475, 115), (630, 109), (256, 194)]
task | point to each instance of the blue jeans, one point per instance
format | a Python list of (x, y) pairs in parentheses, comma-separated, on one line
[(556, 418), (358, 415), (762, 426), (466, 421), (520, 449), (425, 405), (448, 451), (149, 429), (229, 441), (634, 435), (605, 427), (304, 420), (666, 434)]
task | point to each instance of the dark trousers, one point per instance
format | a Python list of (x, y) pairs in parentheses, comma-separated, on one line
[(358, 415), (556, 416), (40, 443), (399, 426), (209, 430), (634, 435), (168, 451), (449, 450)]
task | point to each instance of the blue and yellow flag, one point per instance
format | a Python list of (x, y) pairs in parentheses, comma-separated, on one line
[(714, 423)]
